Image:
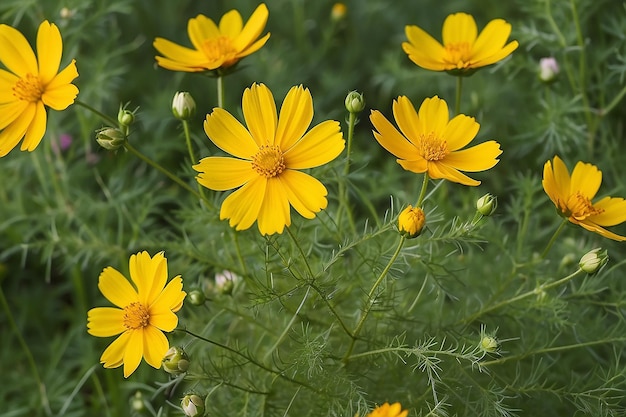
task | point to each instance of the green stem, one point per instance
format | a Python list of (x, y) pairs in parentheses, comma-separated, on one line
[(613, 102), (420, 199), (343, 189), (553, 239), (459, 87), (220, 91), (192, 154), (108, 119), (29, 356), (372, 299)]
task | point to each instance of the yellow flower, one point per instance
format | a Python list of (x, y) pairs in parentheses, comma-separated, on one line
[(572, 197), (268, 155), (215, 47), (31, 83), (463, 51), (430, 142), (411, 221), (386, 410), (144, 311)]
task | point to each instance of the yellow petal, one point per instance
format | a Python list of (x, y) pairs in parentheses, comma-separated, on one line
[(155, 346), (231, 24), (390, 139), (60, 93), (423, 49), (433, 116), (242, 206), (171, 298), (199, 30), (497, 56), (613, 211), (477, 158), (9, 112), (17, 55), (254, 47), (229, 135), (439, 170), (319, 146), (296, 114), (149, 275), (221, 174), (253, 28), (113, 355), (407, 119), (49, 50), (459, 28), (105, 321), (274, 213), (36, 129), (179, 56), (116, 288), (561, 179), (133, 352), (13, 133), (259, 111), (460, 131), (586, 224), (491, 39), (586, 180), (418, 165), (549, 183), (306, 194)]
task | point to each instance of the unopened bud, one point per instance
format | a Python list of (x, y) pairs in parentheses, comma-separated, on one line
[(137, 403), (175, 361), (196, 297), (192, 405), (548, 69), (225, 282), (489, 344), (110, 138), (592, 261), (355, 103), (411, 222), (183, 106), (125, 117), (487, 204)]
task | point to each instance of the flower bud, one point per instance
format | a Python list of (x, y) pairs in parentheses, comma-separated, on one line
[(175, 361), (192, 405), (137, 403), (183, 106), (355, 103), (196, 297), (411, 222), (338, 12), (225, 282), (125, 117), (487, 204), (592, 261), (548, 69), (110, 138), (489, 344)]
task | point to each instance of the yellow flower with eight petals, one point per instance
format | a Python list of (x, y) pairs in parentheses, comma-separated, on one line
[(268, 155), (463, 50), (572, 197), (144, 311), (431, 143), (31, 83), (216, 47), (386, 410)]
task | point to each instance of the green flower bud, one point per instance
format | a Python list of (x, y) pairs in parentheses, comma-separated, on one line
[(192, 405), (196, 297), (110, 138), (355, 103), (225, 282), (487, 204), (125, 117), (183, 106), (175, 361), (489, 344), (411, 222), (592, 261), (137, 403)]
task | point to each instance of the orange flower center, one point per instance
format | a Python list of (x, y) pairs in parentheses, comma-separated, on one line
[(136, 316), (458, 54), (432, 148), (268, 161), (28, 88), (579, 207), (220, 48)]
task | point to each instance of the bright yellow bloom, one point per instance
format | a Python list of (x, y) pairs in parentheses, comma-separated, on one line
[(145, 310), (463, 50), (31, 83), (216, 47), (411, 221), (430, 142), (268, 155), (386, 410), (572, 197)]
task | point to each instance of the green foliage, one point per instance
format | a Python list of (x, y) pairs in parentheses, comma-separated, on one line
[(332, 317)]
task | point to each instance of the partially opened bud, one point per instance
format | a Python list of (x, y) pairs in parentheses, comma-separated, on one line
[(175, 361), (411, 222), (192, 405), (183, 105), (487, 204), (548, 69), (110, 138), (592, 261), (355, 103)]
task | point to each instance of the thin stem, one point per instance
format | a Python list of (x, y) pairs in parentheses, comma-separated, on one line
[(372, 299), (108, 119), (29, 356), (343, 189), (613, 103), (459, 87), (192, 154), (420, 199), (553, 239), (220, 91)]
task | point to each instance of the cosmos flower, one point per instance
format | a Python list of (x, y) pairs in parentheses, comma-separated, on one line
[(30, 83), (572, 197), (268, 157), (386, 410)]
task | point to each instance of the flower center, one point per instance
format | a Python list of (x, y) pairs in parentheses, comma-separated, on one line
[(268, 161), (431, 148), (136, 316), (458, 54), (28, 88), (218, 48), (579, 207)]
